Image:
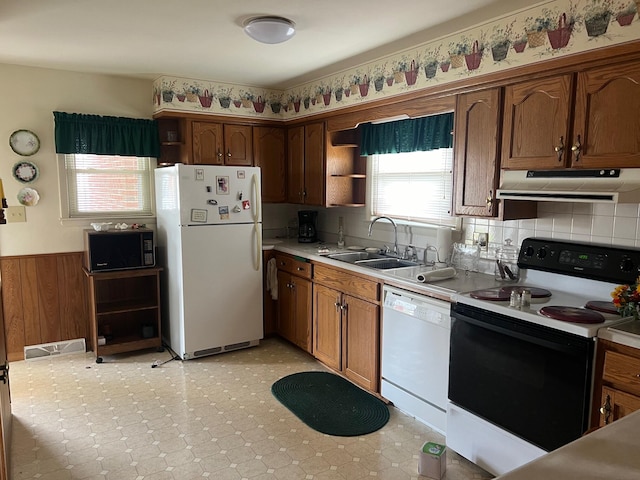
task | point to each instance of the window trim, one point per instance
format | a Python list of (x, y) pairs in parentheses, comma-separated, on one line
[(63, 197), (456, 225)]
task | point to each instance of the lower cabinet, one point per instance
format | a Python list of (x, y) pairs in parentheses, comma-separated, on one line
[(617, 382), (294, 301), (346, 328)]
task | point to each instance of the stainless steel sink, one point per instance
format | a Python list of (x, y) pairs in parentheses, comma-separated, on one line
[(386, 263), (353, 257)]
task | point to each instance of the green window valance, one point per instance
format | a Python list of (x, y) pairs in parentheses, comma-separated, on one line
[(412, 135), (79, 133)]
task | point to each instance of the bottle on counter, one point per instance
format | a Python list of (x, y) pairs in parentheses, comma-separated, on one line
[(340, 233)]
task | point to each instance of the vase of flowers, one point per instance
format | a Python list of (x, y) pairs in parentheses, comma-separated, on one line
[(626, 298)]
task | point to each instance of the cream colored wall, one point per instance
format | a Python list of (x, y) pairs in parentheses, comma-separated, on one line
[(29, 96)]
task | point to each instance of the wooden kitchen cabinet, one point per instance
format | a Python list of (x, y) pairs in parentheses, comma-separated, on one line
[(305, 164), (617, 382), (269, 155), (477, 163), (324, 168), (346, 325), (294, 300), (545, 128), (125, 310), (477, 159), (171, 131), (215, 143)]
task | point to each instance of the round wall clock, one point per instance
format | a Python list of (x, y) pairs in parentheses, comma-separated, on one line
[(24, 142), (25, 172)]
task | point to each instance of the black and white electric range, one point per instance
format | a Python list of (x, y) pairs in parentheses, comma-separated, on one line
[(521, 379)]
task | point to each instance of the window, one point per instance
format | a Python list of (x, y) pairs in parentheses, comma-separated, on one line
[(105, 186), (414, 187)]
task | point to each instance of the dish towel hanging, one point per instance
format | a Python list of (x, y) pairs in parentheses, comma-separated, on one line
[(272, 278)]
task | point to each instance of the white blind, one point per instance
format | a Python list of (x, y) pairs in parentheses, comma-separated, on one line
[(415, 186), (108, 186)]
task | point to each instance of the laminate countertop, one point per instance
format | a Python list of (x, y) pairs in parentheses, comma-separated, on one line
[(609, 453), (404, 278)]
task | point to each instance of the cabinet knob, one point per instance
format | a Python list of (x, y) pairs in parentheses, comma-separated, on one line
[(560, 149), (300, 269), (344, 306), (229, 153), (577, 149), (219, 154)]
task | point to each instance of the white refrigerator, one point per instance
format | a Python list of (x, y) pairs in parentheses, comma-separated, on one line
[(209, 225)]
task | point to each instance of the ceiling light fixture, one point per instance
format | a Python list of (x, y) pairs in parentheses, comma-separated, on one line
[(270, 29)]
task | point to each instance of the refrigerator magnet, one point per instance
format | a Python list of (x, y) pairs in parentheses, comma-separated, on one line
[(199, 174), (246, 205), (222, 185), (224, 212), (241, 174), (198, 215)]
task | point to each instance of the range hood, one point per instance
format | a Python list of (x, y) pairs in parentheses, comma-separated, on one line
[(571, 185)]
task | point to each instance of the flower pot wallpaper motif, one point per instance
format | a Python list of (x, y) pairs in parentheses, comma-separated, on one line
[(555, 28), (559, 38)]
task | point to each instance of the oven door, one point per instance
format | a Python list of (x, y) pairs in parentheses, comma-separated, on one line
[(530, 380)]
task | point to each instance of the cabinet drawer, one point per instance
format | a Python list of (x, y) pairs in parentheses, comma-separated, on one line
[(623, 371), (292, 265), (347, 282)]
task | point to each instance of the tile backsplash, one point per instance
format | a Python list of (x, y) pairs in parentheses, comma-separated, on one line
[(597, 223)]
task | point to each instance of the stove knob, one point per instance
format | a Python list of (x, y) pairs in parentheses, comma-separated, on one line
[(626, 265), (542, 253), (529, 251)]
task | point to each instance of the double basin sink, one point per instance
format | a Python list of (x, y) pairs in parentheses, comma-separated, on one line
[(373, 260)]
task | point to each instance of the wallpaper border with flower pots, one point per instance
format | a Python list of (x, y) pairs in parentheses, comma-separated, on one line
[(549, 29)]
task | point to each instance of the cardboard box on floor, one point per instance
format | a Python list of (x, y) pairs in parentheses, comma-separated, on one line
[(432, 461)]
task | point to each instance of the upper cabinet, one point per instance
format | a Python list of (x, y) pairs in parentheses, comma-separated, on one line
[(221, 144), (269, 155), (324, 168), (544, 128), (171, 131), (476, 144)]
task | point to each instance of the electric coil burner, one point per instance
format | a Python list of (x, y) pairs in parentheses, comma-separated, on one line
[(520, 378)]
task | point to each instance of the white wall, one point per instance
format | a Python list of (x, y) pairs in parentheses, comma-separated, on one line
[(29, 96)]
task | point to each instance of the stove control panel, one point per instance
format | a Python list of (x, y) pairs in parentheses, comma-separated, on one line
[(589, 260)]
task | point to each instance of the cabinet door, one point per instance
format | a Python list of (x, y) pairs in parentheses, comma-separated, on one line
[(536, 124), (314, 155), (476, 153), (238, 145), (327, 326), (361, 349), (268, 154), (285, 323), (616, 404), (607, 124), (207, 143), (295, 165), (301, 312)]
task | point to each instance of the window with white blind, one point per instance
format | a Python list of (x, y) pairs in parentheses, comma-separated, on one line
[(414, 187), (106, 186)]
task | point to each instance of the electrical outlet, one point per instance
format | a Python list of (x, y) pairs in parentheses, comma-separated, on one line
[(15, 214), (481, 239)]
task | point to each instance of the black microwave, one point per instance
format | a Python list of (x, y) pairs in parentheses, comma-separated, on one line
[(119, 249)]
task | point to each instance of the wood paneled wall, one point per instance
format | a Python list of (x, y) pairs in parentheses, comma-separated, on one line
[(44, 300)]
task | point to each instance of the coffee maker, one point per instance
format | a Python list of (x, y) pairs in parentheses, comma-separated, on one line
[(307, 232)]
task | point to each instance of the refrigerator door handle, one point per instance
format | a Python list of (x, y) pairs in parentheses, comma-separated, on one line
[(256, 201), (258, 257)]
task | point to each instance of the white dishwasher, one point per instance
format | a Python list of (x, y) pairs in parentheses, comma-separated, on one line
[(415, 355)]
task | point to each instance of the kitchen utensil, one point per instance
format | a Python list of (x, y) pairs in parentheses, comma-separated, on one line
[(506, 268)]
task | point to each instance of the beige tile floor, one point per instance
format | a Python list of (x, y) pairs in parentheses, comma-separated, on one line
[(208, 418)]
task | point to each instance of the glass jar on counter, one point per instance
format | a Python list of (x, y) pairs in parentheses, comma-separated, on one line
[(506, 268)]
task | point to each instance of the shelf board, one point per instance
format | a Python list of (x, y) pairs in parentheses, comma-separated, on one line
[(351, 175), (347, 204), (127, 344), (123, 307)]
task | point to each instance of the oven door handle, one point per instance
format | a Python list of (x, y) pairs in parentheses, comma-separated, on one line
[(533, 335)]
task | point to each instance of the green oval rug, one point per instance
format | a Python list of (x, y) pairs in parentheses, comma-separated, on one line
[(330, 404)]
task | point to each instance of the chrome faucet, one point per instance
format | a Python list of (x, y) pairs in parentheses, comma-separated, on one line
[(395, 232)]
